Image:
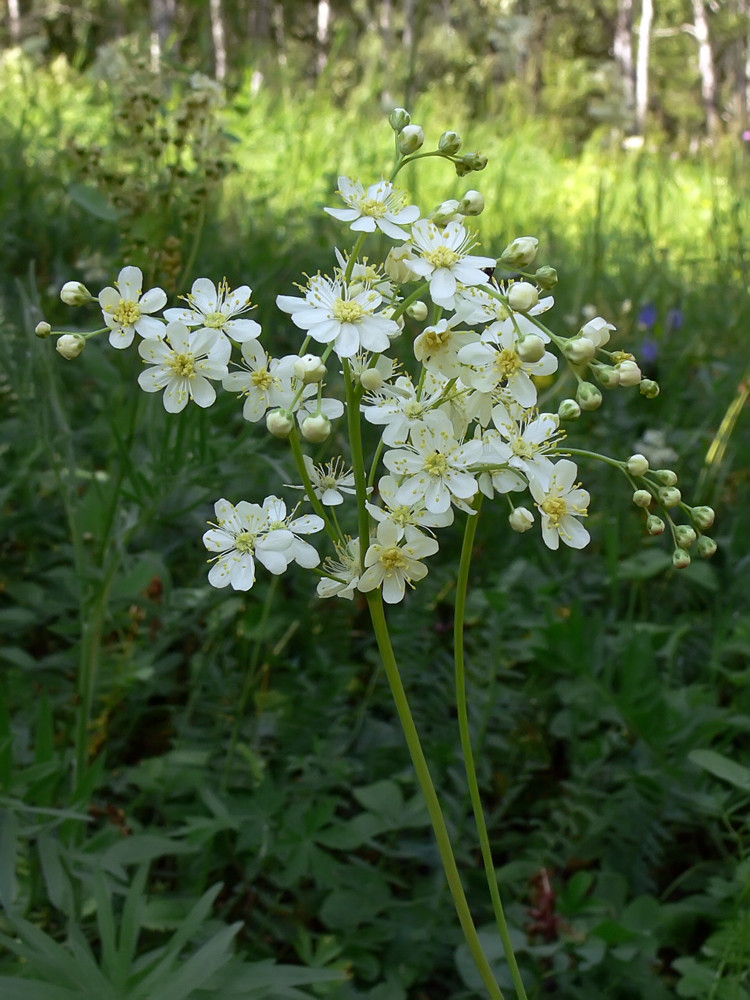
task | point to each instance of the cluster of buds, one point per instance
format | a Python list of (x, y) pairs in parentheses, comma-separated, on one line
[(410, 139)]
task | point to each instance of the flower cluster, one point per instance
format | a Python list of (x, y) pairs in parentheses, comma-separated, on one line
[(435, 352)]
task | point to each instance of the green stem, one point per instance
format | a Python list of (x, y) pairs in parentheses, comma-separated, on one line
[(468, 755), (377, 613), (358, 459)]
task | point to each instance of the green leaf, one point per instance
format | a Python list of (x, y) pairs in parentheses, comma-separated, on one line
[(722, 767), (94, 202)]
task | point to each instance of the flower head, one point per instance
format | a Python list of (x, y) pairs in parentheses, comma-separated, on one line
[(241, 535), (212, 308), (127, 312), (392, 561), (560, 503), (182, 364), (381, 206), (444, 259)]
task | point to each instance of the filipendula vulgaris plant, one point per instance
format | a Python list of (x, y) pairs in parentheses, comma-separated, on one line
[(457, 412)]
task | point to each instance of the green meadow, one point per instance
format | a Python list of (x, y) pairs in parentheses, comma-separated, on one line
[(206, 793)]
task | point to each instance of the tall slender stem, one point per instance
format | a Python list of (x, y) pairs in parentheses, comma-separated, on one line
[(468, 754), (377, 613)]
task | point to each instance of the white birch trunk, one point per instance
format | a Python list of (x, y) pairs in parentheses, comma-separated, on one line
[(217, 34), (14, 17), (322, 35), (641, 67), (622, 50), (706, 67)]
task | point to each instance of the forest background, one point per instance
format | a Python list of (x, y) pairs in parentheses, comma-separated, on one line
[(244, 821)]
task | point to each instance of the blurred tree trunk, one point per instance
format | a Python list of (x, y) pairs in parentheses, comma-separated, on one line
[(14, 17), (322, 35), (622, 50), (219, 39), (409, 40), (162, 13), (741, 58), (705, 67), (259, 20), (641, 67)]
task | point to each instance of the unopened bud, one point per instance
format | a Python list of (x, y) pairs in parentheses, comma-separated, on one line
[(42, 329), (73, 293), (394, 264), (316, 428), (309, 369), (522, 296), (70, 345), (681, 558), (399, 118), (629, 372), (447, 211), (521, 519), (449, 143), (472, 203), (410, 138), (371, 379), (569, 410), (669, 496), (588, 396), (531, 348), (546, 277), (280, 423), (520, 253), (579, 350), (684, 535), (649, 388), (637, 465), (655, 525), (666, 477), (703, 517), (706, 547), (417, 310), (607, 376), (641, 498), (474, 161)]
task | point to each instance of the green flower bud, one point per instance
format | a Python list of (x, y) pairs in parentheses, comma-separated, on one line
[(316, 428), (649, 388), (399, 118), (568, 410), (546, 277), (637, 465), (641, 498), (520, 253), (371, 379), (471, 204), (531, 348), (73, 293), (522, 296), (310, 369), (70, 345), (666, 477), (655, 525), (680, 558), (418, 311), (685, 535), (706, 547), (588, 396), (669, 496), (579, 350), (703, 517), (521, 519), (280, 423), (410, 139), (449, 143), (629, 372), (447, 211), (475, 161), (42, 330)]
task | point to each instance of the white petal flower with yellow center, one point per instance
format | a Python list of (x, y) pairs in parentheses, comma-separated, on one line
[(381, 207), (444, 259), (392, 562), (127, 312), (342, 574), (531, 435), (496, 362), (410, 519), (400, 410), (437, 347), (560, 502), (212, 308), (183, 363), (300, 551), (332, 312), (329, 481), (264, 382), (241, 535)]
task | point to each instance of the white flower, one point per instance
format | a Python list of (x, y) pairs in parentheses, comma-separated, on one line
[(381, 207), (401, 410), (435, 468), (393, 562), (444, 259), (183, 363), (437, 347), (213, 308), (126, 311), (241, 535), (342, 576), (330, 481), (330, 312), (530, 435), (560, 502), (265, 382), (597, 331), (408, 518), (299, 551), (496, 362)]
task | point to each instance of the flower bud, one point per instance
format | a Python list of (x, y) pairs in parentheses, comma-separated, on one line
[(637, 465), (473, 161), (607, 376), (280, 423), (579, 350), (522, 296), (629, 372), (42, 329), (666, 477), (521, 519), (310, 368), (472, 203), (73, 293), (680, 558), (531, 348), (520, 253), (399, 118), (70, 345), (641, 498), (706, 547), (417, 310), (371, 379), (394, 264), (569, 410), (685, 536), (596, 329), (546, 277), (588, 396), (316, 428), (447, 211), (703, 517), (410, 138), (449, 143), (655, 525), (669, 496), (649, 388)]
